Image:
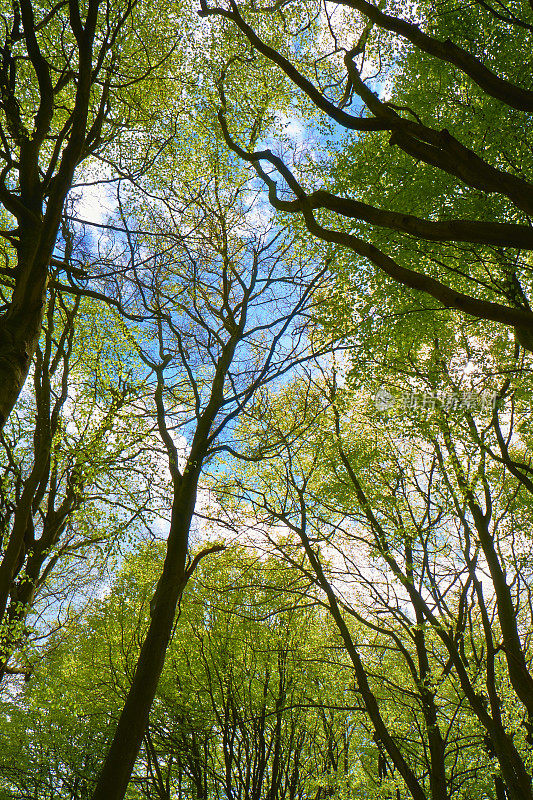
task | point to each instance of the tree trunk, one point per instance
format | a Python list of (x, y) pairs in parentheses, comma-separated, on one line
[(118, 766)]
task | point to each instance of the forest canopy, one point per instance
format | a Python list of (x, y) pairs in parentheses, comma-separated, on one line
[(266, 385)]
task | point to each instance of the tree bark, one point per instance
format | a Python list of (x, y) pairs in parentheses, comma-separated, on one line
[(118, 765)]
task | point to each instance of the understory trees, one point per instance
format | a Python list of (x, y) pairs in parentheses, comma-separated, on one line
[(243, 709)]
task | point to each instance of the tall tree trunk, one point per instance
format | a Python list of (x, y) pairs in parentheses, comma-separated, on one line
[(118, 766)]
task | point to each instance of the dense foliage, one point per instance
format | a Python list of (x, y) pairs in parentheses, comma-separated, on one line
[(265, 400)]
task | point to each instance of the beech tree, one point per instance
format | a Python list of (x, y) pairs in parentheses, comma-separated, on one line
[(418, 159), (76, 466), (226, 311), (413, 520), (61, 70)]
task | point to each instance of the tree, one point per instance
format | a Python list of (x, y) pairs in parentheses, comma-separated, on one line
[(61, 71), (412, 523), (211, 346), (242, 709), (75, 467), (433, 158)]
